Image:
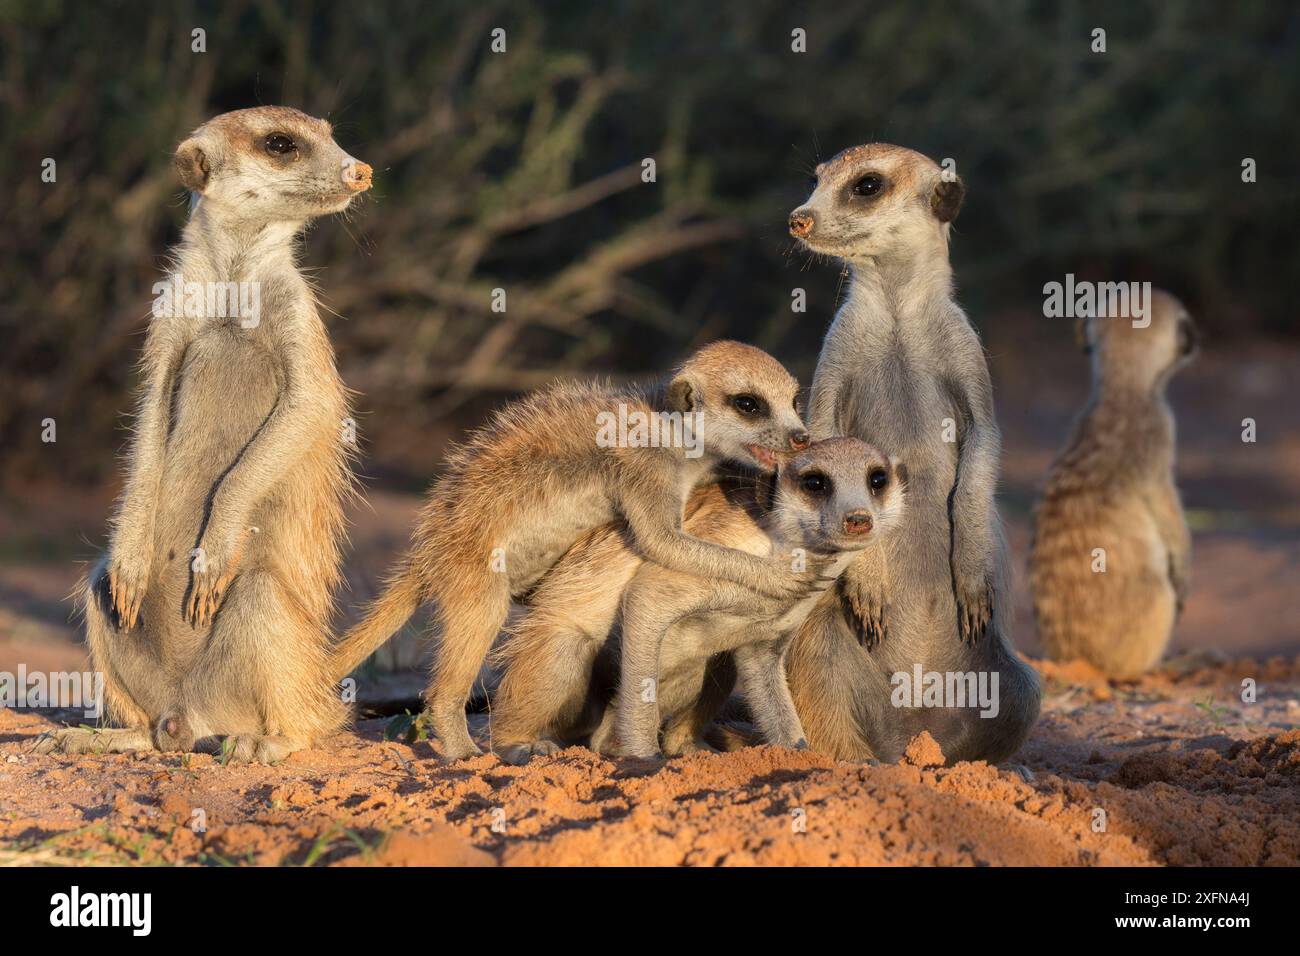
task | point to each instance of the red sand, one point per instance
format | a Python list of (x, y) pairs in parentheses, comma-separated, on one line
[(1184, 772)]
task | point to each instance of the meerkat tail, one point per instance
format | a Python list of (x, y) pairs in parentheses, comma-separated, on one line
[(384, 617)]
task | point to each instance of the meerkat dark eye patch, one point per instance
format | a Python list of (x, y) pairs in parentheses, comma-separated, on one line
[(877, 480), (815, 483), (872, 184), (280, 144), (750, 406)]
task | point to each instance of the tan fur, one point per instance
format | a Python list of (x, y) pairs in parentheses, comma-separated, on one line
[(1112, 487), (527, 486), (237, 451), (699, 631)]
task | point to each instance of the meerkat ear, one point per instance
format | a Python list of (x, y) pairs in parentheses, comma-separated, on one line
[(945, 201), (682, 396), (192, 166)]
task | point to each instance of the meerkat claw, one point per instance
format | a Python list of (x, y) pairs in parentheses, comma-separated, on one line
[(125, 600)]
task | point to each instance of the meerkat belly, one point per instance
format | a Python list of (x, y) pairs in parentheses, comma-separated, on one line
[(901, 406), (697, 638), (226, 389), (909, 414), (551, 530)]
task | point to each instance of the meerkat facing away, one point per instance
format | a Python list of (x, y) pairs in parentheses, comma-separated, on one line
[(209, 614), (680, 634), (1111, 550), (902, 367), (524, 488)]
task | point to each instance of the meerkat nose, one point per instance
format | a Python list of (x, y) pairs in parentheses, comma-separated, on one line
[(799, 440), (857, 522), (801, 223), (356, 175)]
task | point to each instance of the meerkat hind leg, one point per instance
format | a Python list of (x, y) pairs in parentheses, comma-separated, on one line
[(694, 701), (547, 680), (468, 629), (125, 659), (279, 699), (251, 748), (83, 740)]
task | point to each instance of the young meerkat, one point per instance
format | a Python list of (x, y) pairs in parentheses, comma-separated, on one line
[(209, 614), (528, 485), (1112, 488), (602, 610), (902, 367)]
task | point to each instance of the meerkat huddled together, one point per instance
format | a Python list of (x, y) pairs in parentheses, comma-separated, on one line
[(1111, 550), (527, 486), (604, 626), (209, 614), (666, 543)]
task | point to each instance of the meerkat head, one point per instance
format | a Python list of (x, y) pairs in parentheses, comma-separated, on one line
[(747, 401), (839, 494), (270, 164), (1142, 355), (877, 200)]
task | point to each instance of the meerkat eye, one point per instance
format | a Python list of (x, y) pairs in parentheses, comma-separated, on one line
[(878, 479), (814, 482), (869, 185), (280, 144), (748, 405)]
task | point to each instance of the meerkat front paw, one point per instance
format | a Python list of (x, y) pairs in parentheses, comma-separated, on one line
[(127, 580), (206, 591), (211, 571), (974, 608), (787, 584), (865, 602)]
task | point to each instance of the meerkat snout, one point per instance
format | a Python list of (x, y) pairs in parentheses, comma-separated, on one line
[(801, 223), (857, 522), (799, 440), (356, 175)]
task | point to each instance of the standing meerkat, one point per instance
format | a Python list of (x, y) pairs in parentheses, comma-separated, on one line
[(209, 614), (1111, 549), (902, 367), (589, 614), (551, 467)]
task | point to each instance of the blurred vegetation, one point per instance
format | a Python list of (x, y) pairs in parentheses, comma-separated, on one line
[(522, 171)]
